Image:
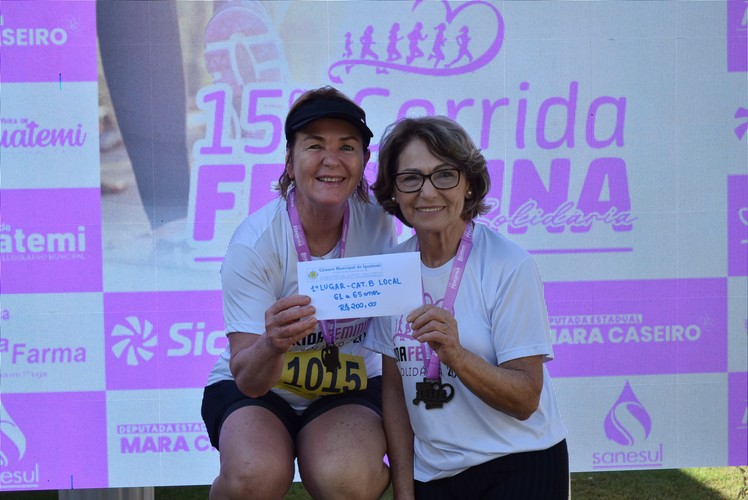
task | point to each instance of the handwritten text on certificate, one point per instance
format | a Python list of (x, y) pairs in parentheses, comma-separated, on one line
[(359, 287)]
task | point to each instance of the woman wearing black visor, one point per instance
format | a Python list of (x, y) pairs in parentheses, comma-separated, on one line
[(289, 386)]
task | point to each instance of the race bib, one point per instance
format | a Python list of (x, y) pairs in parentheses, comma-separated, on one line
[(304, 375)]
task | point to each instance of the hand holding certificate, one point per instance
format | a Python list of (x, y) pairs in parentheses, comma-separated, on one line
[(355, 287)]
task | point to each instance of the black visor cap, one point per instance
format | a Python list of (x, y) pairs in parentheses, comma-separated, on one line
[(328, 108)]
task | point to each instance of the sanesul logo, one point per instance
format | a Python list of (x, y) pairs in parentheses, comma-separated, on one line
[(627, 405), (162, 339), (15, 475), (450, 50), (628, 427), (35, 428)]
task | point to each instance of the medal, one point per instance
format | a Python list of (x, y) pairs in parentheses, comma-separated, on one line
[(331, 358), (330, 353), (433, 393)]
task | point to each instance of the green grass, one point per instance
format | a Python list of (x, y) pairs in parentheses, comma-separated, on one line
[(717, 483), (682, 484)]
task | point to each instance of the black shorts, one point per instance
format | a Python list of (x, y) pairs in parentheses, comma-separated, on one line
[(541, 475), (224, 397)]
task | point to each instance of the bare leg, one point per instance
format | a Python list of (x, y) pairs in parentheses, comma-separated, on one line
[(341, 454), (257, 457)]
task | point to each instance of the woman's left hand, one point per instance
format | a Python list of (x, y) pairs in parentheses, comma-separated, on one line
[(438, 327), (513, 387)]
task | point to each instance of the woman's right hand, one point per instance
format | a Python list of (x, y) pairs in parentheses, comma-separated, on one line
[(287, 321), (257, 360)]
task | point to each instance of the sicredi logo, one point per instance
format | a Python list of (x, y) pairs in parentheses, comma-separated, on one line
[(162, 339), (628, 425), (409, 49), (138, 341), (12, 451)]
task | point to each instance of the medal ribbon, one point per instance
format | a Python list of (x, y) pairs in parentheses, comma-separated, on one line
[(304, 254), (453, 285)]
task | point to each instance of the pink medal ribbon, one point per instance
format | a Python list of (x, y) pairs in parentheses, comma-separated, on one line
[(330, 354), (431, 391)]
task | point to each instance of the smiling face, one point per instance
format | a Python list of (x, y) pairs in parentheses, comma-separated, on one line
[(326, 163), (430, 210)]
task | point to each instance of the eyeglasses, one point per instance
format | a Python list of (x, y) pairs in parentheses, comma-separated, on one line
[(410, 182)]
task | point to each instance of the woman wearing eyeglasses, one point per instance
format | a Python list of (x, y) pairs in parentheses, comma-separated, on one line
[(469, 409)]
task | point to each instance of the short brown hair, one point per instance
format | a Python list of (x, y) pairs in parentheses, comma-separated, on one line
[(446, 140)]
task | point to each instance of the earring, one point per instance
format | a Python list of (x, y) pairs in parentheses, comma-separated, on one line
[(469, 193), (393, 198)]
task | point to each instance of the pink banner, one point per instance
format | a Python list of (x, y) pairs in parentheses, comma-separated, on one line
[(737, 225), (638, 217), (36, 430), (47, 43), (264, 176), (162, 340), (612, 328), (50, 240), (737, 414), (737, 36)]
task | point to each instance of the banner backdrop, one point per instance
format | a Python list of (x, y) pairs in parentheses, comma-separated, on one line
[(137, 135)]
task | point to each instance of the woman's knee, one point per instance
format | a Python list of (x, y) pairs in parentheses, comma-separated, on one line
[(341, 454), (257, 455), (256, 481), (366, 479)]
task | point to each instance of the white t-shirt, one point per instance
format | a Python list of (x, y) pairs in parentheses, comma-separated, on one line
[(501, 315), (260, 268)]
